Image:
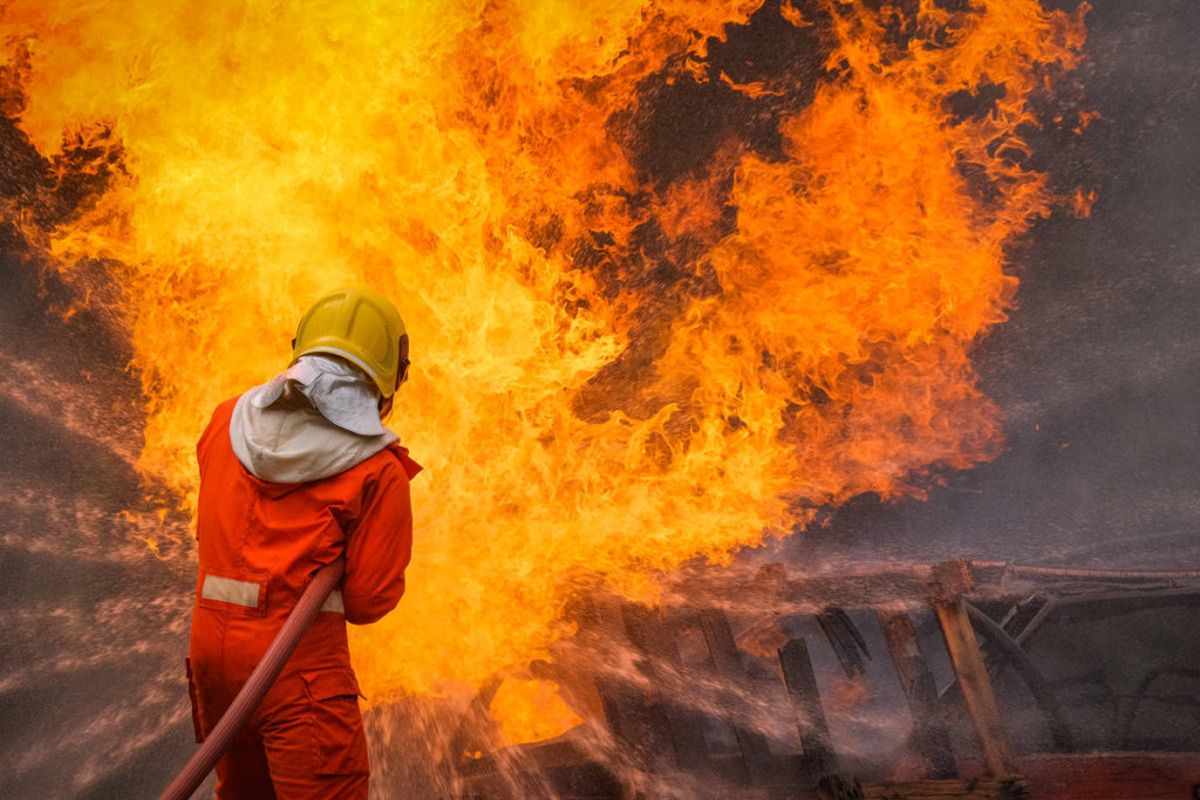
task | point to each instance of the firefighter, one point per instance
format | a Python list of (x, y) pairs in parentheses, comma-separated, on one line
[(294, 474)]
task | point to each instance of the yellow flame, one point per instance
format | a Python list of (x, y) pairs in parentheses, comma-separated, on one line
[(459, 157), (531, 711)]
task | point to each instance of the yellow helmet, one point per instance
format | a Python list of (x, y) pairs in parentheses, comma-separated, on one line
[(363, 327)]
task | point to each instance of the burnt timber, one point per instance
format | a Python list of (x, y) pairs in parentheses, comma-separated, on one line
[(653, 741)]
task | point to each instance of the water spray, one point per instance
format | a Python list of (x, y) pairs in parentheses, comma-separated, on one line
[(259, 683)]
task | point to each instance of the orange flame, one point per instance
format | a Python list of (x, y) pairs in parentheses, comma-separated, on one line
[(577, 415), (531, 711), (1082, 202)]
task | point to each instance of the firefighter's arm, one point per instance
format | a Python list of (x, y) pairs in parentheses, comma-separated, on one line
[(379, 547), (220, 414)]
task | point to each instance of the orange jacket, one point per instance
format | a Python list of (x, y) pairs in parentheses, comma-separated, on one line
[(259, 545)]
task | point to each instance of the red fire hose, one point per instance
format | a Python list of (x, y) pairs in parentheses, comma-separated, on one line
[(273, 661)]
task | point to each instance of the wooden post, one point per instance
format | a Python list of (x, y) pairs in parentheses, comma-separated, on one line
[(951, 580), (680, 735), (930, 737), (624, 705), (802, 687), (761, 767)]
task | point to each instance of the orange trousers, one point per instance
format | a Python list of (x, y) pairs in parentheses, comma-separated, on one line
[(305, 742)]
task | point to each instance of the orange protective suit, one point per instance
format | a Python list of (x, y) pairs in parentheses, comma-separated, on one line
[(259, 545)]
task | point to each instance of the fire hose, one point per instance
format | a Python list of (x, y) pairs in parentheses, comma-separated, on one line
[(257, 686)]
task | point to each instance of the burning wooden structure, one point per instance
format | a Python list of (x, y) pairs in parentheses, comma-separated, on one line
[(686, 716)]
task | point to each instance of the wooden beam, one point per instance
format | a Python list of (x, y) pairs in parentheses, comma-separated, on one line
[(802, 687), (761, 767), (951, 581), (930, 738), (625, 709), (986, 789), (680, 730)]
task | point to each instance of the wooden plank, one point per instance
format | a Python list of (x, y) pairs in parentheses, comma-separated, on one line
[(761, 765), (979, 789), (802, 687), (975, 686), (679, 735), (1091, 776), (930, 738), (624, 704), (474, 730)]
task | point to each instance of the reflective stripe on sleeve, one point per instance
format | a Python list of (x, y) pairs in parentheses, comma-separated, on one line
[(228, 590), (334, 602)]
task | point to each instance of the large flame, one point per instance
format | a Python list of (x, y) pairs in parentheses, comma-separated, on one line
[(617, 366)]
